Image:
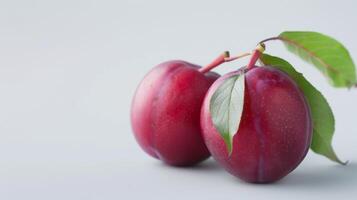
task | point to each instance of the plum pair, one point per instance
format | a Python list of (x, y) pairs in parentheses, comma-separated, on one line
[(171, 119)]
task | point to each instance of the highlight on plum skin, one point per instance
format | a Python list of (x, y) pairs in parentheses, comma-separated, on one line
[(275, 131), (165, 112)]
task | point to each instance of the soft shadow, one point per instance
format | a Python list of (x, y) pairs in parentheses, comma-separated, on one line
[(207, 165), (336, 176)]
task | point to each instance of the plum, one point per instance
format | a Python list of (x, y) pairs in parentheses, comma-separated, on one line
[(165, 112), (275, 130)]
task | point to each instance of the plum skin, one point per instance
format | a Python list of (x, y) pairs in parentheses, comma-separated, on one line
[(165, 112), (275, 131)]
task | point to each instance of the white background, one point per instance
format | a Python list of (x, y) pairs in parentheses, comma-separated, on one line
[(68, 70)]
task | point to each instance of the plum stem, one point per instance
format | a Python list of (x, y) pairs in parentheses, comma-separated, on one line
[(224, 57), (236, 57), (257, 52), (269, 39)]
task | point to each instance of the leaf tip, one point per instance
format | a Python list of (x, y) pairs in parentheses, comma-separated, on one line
[(229, 145), (336, 159), (230, 151), (343, 163)]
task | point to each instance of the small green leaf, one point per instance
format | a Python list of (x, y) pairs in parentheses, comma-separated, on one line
[(324, 52), (322, 116), (226, 107)]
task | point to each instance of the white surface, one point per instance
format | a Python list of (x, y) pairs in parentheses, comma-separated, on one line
[(68, 70)]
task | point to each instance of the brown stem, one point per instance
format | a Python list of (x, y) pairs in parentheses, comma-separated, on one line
[(269, 39)]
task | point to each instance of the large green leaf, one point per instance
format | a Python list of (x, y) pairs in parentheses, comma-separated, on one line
[(322, 116), (324, 52), (226, 107)]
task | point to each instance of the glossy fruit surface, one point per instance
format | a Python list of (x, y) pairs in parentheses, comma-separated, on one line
[(275, 131), (165, 112)]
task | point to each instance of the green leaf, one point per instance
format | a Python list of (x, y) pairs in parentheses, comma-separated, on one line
[(226, 107), (324, 52), (322, 116)]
